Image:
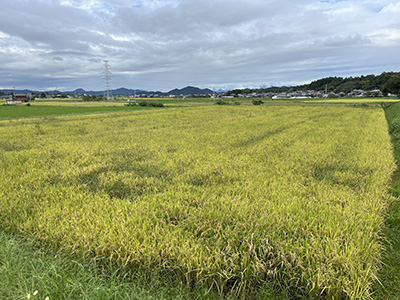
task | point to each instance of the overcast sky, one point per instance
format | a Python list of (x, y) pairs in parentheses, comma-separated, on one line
[(222, 44)]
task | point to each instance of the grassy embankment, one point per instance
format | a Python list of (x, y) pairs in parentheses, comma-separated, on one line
[(390, 273)]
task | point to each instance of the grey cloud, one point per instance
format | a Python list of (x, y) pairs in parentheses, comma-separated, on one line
[(206, 42), (69, 53), (57, 58), (343, 41)]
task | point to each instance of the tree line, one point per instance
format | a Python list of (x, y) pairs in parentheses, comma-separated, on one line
[(387, 82)]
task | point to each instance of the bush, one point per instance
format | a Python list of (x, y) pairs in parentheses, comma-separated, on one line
[(130, 104), (220, 102), (257, 102), (151, 104), (92, 98)]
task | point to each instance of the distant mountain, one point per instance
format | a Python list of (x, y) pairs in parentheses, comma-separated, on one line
[(123, 91), (190, 90), (9, 91), (117, 92), (129, 92), (79, 91)]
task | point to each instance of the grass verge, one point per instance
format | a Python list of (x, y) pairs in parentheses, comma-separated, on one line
[(389, 276), (26, 267)]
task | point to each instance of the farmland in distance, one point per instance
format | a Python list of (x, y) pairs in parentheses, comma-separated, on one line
[(223, 197)]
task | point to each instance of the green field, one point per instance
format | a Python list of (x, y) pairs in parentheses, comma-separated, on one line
[(224, 197), (38, 110)]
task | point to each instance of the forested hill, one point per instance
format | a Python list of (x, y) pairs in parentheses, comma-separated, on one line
[(386, 82)]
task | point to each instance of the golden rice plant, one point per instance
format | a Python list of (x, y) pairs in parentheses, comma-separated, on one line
[(225, 197)]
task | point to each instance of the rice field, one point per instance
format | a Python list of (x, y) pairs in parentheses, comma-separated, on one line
[(224, 197)]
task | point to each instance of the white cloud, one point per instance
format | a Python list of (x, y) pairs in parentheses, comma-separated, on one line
[(392, 8), (4, 35), (387, 37)]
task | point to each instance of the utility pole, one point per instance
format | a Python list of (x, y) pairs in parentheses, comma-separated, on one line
[(107, 81), (326, 92), (213, 95)]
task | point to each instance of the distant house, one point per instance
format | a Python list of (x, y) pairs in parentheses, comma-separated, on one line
[(5, 97), (18, 98), (357, 93), (301, 97), (375, 93), (281, 96)]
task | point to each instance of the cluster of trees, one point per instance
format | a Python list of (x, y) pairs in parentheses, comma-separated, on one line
[(392, 85), (145, 103), (386, 82), (93, 97)]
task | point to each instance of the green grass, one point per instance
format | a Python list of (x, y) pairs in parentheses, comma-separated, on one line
[(390, 273), (26, 267)]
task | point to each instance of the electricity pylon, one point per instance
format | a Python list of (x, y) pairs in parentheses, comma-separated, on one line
[(107, 81)]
